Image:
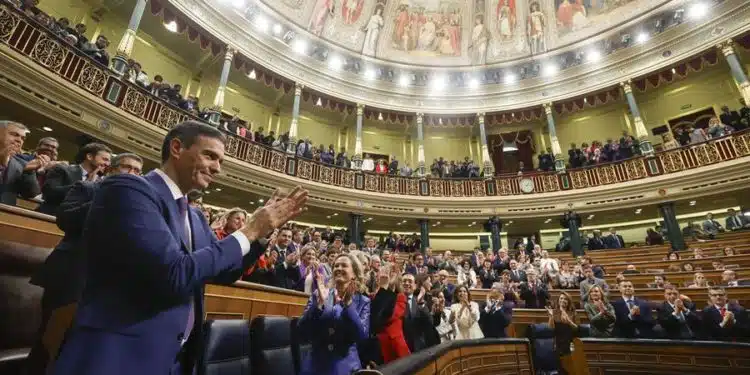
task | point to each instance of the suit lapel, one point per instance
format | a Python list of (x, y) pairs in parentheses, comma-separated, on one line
[(172, 214)]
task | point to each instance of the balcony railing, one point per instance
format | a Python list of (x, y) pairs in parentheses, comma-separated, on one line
[(41, 46)]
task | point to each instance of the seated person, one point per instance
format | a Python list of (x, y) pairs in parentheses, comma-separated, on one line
[(633, 315), (98, 50), (677, 315), (711, 226), (723, 320)]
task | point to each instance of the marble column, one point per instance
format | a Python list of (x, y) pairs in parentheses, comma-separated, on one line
[(572, 221), (424, 234), (292, 146), (674, 233), (727, 48), (641, 133), (554, 143), (420, 145), (120, 61), (357, 157), (489, 170), (495, 225), (355, 228), (214, 113)]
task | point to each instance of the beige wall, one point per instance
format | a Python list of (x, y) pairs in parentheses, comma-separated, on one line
[(449, 148)]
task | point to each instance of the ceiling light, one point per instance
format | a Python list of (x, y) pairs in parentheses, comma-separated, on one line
[(594, 56), (260, 200), (697, 10), (335, 214), (550, 70), (403, 80), (438, 83), (252, 74), (638, 211), (171, 26), (218, 189), (547, 221), (380, 116), (300, 46), (319, 103), (47, 128), (328, 217), (692, 203), (261, 23), (335, 62), (370, 74), (238, 3), (510, 222), (642, 37), (469, 225), (473, 222), (277, 29), (474, 83), (398, 223), (591, 216), (438, 223), (510, 78), (674, 71)]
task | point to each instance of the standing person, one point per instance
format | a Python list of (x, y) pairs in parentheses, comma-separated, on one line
[(495, 315), (465, 315), (440, 317), (601, 313), (387, 315), (93, 159), (564, 322), (230, 222), (417, 320), (63, 273), (337, 316), (149, 256)]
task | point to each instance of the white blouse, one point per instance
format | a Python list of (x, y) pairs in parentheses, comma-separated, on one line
[(466, 325)]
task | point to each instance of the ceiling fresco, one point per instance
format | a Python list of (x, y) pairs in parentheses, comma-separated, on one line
[(458, 32)]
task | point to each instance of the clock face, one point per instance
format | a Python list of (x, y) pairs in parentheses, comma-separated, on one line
[(526, 185)]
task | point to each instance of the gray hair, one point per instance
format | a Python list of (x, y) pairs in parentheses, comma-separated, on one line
[(6, 123), (125, 155)]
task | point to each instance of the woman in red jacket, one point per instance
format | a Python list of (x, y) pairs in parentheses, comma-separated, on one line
[(387, 311)]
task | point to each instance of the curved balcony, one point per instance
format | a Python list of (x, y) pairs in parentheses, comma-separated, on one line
[(251, 162)]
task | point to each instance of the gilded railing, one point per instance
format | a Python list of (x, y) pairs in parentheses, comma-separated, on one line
[(26, 37)]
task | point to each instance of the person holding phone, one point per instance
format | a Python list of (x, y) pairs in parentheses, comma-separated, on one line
[(336, 317)]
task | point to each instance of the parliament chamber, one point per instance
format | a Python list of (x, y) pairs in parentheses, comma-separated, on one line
[(512, 186)]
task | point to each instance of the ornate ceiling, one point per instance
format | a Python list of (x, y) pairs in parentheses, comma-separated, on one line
[(458, 32)]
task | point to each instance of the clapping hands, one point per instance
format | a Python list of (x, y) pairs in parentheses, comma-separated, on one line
[(276, 212)]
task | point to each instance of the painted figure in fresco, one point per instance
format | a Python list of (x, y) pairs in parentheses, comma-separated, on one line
[(322, 11), (571, 15), (402, 22), (351, 10), (480, 37), (372, 31), (427, 35), (506, 18), (535, 28)]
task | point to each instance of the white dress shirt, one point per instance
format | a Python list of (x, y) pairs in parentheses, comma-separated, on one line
[(368, 164)]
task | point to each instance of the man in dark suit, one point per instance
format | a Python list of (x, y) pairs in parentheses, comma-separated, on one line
[(149, 256), (287, 272), (677, 316), (596, 242), (417, 320), (14, 181), (736, 221), (633, 315), (534, 292), (445, 286), (614, 240), (92, 161), (495, 316), (516, 275), (731, 118), (63, 273), (723, 320)]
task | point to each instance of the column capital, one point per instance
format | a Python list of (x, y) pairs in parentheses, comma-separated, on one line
[(480, 116), (298, 88), (420, 118), (229, 55), (547, 108), (360, 109), (627, 86), (726, 47)]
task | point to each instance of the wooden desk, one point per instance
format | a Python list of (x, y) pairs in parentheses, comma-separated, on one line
[(22, 226), (679, 279)]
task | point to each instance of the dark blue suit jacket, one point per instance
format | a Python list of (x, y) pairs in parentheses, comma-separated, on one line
[(141, 279), (711, 319), (640, 326), (63, 273)]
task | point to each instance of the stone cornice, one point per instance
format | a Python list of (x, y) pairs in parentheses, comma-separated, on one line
[(728, 20)]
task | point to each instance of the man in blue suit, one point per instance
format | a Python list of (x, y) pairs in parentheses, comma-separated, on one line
[(63, 273), (149, 257), (723, 320), (633, 315)]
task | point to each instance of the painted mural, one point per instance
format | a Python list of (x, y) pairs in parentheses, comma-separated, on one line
[(458, 32)]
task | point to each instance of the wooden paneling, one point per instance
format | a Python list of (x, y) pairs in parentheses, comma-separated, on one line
[(248, 300), (27, 227)]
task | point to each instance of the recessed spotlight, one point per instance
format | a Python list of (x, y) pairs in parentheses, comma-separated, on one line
[(171, 26), (403, 81), (252, 74), (594, 56), (261, 23), (591, 216), (510, 78), (692, 203), (46, 128), (474, 83), (319, 103), (642, 37), (277, 29), (218, 189), (674, 71), (638, 211), (335, 62), (697, 10), (369, 218), (328, 217), (547, 221), (438, 83), (510, 222), (370, 74), (398, 223), (438, 223), (380, 116), (335, 214), (238, 3), (473, 222), (300, 46), (260, 200), (469, 225), (550, 70)]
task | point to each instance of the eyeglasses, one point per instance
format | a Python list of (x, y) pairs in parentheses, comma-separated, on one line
[(716, 294)]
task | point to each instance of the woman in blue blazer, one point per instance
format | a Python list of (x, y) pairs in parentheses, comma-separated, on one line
[(335, 319)]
